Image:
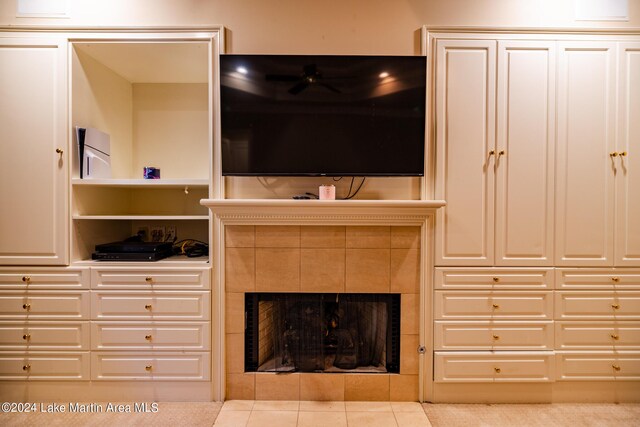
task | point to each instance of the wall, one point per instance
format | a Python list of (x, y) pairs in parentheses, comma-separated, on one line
[(330, 26)]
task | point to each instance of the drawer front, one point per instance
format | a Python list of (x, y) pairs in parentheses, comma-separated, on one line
[(128, 366), (33, 336), (190, 336), (493, 367), (160, 305), (595, 367), (493, 305), (598, 278), (598, 335), (483, 335), (44, 278), (150, 278), (619, 305), (34, 305), (493, 278), (43, 366)]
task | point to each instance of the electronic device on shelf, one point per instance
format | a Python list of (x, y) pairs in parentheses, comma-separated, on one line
[(133, 251)]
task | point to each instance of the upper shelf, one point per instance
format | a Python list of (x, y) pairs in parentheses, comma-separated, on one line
[(142, 183)]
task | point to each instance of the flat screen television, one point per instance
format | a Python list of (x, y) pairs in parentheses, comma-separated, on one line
[(322, 115)]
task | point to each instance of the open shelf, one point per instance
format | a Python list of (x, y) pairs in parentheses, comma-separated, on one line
[(142, 183), (144, 217)]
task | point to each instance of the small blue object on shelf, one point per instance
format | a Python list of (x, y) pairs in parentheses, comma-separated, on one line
[(151, 173)]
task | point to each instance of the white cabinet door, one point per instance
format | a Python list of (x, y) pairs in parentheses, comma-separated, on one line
[(585, 139), (33, 176), (465, 122), (627, 163), (524, 153)]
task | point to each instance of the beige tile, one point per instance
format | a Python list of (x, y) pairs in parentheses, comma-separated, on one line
[(238, 405), (322, 270), (403, 388), (277, 270), (232, 418), (240, 270), (276, 405), (234, 312), (273, 418), (322, 419), (410, 313), (277, 387), (368, 406), (405, 271), (367, 270), (277, 236), (234, 351), (322, 406), (406, 406), (321, 387), (241, 386), (322, 236), (408, 354), (412, 419), (365, 387), (240, 236), (371, 419), (368, 237), (405, 237)]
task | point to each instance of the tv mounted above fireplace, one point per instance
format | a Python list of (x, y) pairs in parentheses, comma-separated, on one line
[(322, 115)]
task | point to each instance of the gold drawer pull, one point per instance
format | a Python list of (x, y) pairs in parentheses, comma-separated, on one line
[(26, 337), (616, 367), (496, 306), (496, 279), (497, 370), (615, 336), (26, 279), (615, 279), (614, 154), (148, 279), (615, 306), (148, 368), (148, 307), (26, 367), (147, 337), (496, 337), (26, 306), (624, 153)]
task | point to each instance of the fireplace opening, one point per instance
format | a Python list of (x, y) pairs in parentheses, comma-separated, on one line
[(310, 332)]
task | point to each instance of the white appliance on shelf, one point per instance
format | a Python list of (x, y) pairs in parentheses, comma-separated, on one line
[(94, 149)]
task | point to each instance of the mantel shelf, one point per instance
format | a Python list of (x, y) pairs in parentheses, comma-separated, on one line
[(286, 211)]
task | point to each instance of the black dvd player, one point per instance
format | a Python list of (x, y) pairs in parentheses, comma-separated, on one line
[(130, 256), (132, 251)]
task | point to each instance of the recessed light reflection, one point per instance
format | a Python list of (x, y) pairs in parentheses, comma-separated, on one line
[(383, 75), (242, 70)]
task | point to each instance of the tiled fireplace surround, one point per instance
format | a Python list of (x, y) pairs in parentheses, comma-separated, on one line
[(335, 259)]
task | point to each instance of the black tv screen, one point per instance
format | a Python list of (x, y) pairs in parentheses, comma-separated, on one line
[(322, 115)]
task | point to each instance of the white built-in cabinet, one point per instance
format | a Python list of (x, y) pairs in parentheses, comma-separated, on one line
[(34, 222)]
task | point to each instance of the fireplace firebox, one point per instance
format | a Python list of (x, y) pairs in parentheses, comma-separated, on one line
[(328, 332)]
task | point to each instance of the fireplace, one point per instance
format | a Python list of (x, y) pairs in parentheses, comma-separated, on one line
[(322, 332)]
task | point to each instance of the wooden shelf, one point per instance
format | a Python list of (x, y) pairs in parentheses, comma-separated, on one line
[(143, 217), (142, 183), (178, 259)]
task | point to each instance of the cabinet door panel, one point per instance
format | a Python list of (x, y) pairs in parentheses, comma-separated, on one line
[(586, 133), (525, 147), (628, 166), (33, 177), (465, 121)]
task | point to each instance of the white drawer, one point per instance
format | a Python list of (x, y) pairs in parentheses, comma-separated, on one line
[(603, 335), (494, 278), (150, 278), (618, 305), (44, 366), (137, 366), (44, 278), (493, 305), (493, 367), (597, 278), (594, 367), (488, 335), (35, 305), (160, 305), (32, 336), (190, 336)]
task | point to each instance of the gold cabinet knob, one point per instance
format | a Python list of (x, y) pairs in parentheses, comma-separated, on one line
[(495, 306), (148, 307), (59, 151), (26, 306), (497, 370), (26, 337), (148, 368), (496, 279), (148, 279), (501, 153), (614, 154), (615, 279), (615, 306), (26, 367), (147, 337), (492, 153), (624, 153), (615, 336), (496, 337), (26, 279), (616, 367)]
